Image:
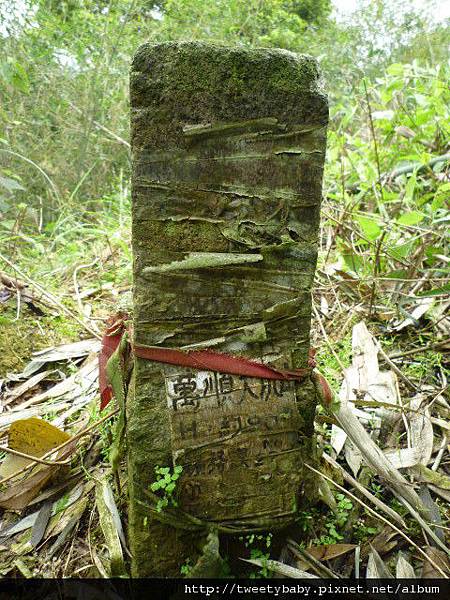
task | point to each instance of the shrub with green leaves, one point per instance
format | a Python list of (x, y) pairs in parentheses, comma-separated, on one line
[(386, 172)]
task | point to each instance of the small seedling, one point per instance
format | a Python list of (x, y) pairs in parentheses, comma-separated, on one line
[(363, 532), (304, 520), (377, 489), (257, 553), (186, 568), (335, 524), (166, 484)]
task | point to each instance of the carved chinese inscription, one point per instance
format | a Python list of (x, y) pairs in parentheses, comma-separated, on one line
[(236, 437)]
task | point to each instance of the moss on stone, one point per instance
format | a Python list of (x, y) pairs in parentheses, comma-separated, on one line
[(179, 236), (212, 72), (228, 149), (196, 82)]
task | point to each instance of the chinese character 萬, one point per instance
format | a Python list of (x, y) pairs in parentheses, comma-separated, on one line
[(185, 387)]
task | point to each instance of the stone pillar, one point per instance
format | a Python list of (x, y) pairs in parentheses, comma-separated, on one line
[(228, 151)]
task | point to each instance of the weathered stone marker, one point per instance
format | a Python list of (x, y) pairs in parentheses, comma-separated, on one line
[(228, 151)]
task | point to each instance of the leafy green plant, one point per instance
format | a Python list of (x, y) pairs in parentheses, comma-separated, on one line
[(362, 531), (330, 365), (388, 151), (343, 507), (165, 484), (305, 520), (377, 489), (186, 568), (423, 365), (259, 546), (105, 429), (336, 522)]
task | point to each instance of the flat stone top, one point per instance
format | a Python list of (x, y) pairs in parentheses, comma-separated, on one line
[(303, 65), (197, 82)]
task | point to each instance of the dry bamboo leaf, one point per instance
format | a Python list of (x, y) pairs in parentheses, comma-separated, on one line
[(59, 353), (61, 519), (331, 551), (441, 423), (353, 457), (98, 564), (324, 306), (312, 563), (440, 492), (383, 542), (421, 429), (68, 351), (30, 520), (280, 568), (35, 436), (8, 418), (404, 569), (376, 567), (363, 379), (18, 495), (350, 385), (60, 540), (373, 456), (440, 558), (338, 438), (111, 534), (21, 547), (21, 525), (110, 503), (365, 356), (326, 494), (422, 306), (347, 394), (41, 523), (23, 568), (376, 501), (435, 515), (55, 490), (24, 387), (11, 464), (31, 436), (32, 367), (384, 388), (404, 457), (73, 387)]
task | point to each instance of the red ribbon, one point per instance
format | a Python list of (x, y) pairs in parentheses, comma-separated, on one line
[(208, 360)]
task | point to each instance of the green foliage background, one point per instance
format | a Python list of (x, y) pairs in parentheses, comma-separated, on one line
[(65, 158)]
